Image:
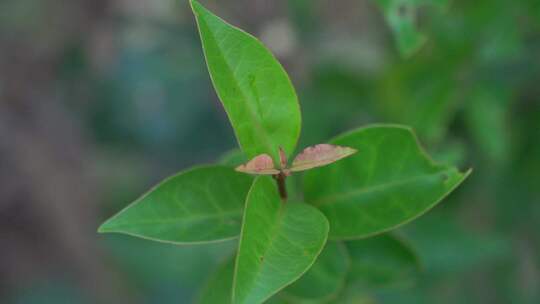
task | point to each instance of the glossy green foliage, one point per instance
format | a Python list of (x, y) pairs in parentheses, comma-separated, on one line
[(381, 261), (199, 205), (402, 17), (253, 87), (325, 279), (342, 272), (281, 254), (279, 243), (389, 182), (132, 77)]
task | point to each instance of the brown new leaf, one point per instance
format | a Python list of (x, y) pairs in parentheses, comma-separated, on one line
[(320, 155), (260, 164), (312, 157)]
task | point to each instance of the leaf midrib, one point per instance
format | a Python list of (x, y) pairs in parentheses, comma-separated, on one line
[(177, 219), (329, 199), (257, 125)]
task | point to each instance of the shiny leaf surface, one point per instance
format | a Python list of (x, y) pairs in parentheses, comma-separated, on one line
[(199, 205), (255, 90), (279, 243), (390, 183)]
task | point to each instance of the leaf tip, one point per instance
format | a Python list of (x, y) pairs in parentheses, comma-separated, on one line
[(351, 151), (103, 228), (242, 169), (107, 226), (195, 7), (467, 173)]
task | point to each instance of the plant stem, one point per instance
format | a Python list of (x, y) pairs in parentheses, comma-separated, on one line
[(280, 179)]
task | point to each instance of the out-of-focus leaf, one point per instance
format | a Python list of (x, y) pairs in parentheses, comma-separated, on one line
[(402, 17), (412, 86), (278, 299), (199, 205), (153, 267), (254, 88), (445, 248), (219, 288), (353, 295), (486, 117), (325, 279), (381, 261), (279, 243), (454, 153), (390, 182)]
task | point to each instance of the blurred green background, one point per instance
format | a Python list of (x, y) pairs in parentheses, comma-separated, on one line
[(99, 100)]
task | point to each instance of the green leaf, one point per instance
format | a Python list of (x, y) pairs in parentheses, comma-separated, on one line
[(381, 261), (389, 182), (219, 288), (279, 243), (436, 238), (486, 116), (203, 204), (402, 16), (411, 86), (325, 279), (255, 90), (353, 295), (278, 300)]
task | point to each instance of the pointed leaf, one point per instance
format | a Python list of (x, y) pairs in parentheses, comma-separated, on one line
[(199, 205), (391, 182), (325, 279), (382, 261), (279, 243), (261, 164), (255, 90), (320, 155)]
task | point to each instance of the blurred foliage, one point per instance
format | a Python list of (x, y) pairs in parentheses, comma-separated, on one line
[(137, 85), (402, 17)]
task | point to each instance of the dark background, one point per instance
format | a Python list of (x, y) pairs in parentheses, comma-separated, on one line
[(99, 100)]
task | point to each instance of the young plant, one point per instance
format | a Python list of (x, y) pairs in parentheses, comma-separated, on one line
[(312, 157), (310, 250)]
